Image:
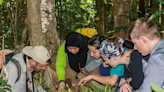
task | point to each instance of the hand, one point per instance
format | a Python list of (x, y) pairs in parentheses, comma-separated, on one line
[(122, 81), (85, 79), (61, 85), (125, 87), (104, 64)]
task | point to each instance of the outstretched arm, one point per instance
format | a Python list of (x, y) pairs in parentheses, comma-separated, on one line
[(102, 79)]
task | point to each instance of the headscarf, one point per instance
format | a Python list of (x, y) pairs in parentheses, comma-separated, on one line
[(77, 40), (109, 49)]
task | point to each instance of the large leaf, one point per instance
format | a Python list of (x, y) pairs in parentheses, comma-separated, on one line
[(154, 15), (161, 1), (5, 85), (1, 1), (156, 87), (2, 81), (1, 90)]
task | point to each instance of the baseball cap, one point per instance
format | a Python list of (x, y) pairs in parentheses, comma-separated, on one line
[(39, 53)]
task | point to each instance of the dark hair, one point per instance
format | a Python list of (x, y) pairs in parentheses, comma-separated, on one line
[(28, 57), (114, 39), (96, 41)]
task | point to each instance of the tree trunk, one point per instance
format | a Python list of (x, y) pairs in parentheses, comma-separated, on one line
[(36, 36), (162, 22), (120, 13), (97, 14), (153, 5), (101, 21), (142, 8), (43, 29)]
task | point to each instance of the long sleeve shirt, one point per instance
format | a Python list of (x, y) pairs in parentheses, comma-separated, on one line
[(155, 69)]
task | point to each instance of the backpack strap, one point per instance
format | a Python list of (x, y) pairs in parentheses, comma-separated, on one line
[(18, 68), (9, 57)]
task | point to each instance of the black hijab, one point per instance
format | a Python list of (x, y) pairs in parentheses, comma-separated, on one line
[(77, 40)]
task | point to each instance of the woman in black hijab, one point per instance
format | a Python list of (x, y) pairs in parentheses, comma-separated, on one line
[(76, 49), (73, 55)]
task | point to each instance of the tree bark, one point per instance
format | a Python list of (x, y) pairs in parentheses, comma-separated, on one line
[(142, 8), (120, 13), (36, 36), (42, 24), (162, 22), (101, 14)]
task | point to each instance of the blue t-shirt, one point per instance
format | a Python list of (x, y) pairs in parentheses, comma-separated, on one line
[(119, 70)]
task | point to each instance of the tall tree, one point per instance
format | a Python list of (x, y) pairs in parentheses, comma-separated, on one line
[(42, 24), (141, 8), (120, 13), (162, 20), (101, 14)]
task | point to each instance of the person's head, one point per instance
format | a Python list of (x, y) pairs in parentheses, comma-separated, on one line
[(111, 50), (94, 44), (76, 49), (144, 34), (38, 57), (73, 42)]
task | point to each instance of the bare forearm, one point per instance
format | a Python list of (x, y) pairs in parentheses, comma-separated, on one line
[(106, 79)]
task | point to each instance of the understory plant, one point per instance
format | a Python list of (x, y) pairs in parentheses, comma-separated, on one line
[(94, 87), (4, 86)]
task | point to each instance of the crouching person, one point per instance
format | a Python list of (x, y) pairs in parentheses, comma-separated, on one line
[(71, 57), (32, 59)]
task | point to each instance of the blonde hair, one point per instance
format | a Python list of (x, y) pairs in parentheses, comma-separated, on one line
[(143, 27)]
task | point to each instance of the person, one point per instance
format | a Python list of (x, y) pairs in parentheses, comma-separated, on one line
[(145, 36), (71, 57), (32, 58), (133, 71), (108, 50)]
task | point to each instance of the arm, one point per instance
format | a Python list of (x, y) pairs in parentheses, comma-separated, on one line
[(153, 73), (102, 79), (136, 70), (92, 63), (127, 73), (111, 80), (61, 63)]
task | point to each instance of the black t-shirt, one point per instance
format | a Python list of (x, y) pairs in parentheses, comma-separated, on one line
[(135, 67)]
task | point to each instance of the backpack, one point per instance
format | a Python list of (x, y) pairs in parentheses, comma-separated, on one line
[(8, 57), (88, 32), (128, 43)]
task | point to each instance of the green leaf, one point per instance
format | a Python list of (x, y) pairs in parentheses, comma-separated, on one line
[(111, 31), (156, 87), (2, 81), (154, 15), (46, 11), (161, 1), (5, 85), (1, 1), (1, 90), (36, 74)]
